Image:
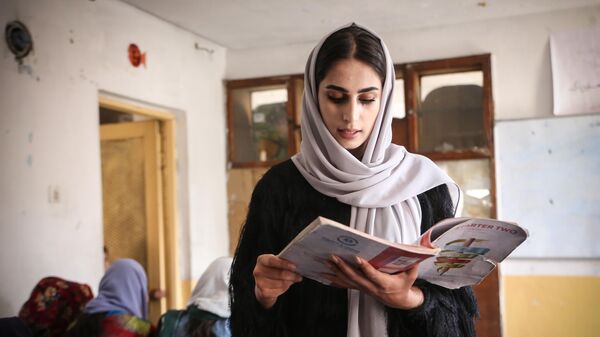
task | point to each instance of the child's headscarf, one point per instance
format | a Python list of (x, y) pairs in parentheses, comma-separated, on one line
[(211, 292), (123, 288), (54, 304), (382, 187)]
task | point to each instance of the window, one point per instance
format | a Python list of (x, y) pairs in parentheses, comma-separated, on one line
[(449, 107), (473, 177), (449, 119), (262, 120), (450, 112)]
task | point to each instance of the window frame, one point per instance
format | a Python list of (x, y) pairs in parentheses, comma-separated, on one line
[(289, 81), (412, 73)]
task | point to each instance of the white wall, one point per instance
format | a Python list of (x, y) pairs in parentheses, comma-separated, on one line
[(49, 136), (521, 78)]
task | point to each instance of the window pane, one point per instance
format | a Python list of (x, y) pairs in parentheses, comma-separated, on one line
[(451, 112), (399, 109), (260, 124), (473, 177)]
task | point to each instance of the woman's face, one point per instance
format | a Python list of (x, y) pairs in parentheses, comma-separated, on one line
[(349, 100)]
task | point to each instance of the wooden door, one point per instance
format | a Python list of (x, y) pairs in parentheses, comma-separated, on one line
[(132, 200)]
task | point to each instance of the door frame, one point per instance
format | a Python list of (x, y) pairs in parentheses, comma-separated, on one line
[(166, 122)]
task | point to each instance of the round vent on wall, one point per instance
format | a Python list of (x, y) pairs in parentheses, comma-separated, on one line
[(18, 39)]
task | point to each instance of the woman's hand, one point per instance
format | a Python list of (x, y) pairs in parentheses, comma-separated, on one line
[(273, 276), (396, 291)]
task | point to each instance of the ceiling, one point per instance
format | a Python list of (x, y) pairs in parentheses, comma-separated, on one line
[(244, 24)]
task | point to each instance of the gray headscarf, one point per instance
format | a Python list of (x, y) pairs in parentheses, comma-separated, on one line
[(124, 287), (382, 188)]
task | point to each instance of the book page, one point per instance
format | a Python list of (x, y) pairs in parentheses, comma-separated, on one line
[(469, 251), (313, 248)]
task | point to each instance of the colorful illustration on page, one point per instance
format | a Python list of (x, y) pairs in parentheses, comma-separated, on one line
[(457, 253)]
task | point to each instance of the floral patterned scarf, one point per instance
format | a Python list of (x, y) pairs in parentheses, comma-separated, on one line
[(54, 304)]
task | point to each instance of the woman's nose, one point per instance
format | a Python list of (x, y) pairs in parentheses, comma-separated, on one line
[(351, 112)]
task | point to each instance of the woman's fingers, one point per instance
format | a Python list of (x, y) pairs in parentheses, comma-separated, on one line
[(370, 279), (276, 274), (272, 277), (353, 275), (275, 268), (337, 277), (374, 275), (413, 272), (334, 281), (272, 261)]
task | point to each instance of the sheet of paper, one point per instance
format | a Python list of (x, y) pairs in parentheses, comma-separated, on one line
[(575, 57)]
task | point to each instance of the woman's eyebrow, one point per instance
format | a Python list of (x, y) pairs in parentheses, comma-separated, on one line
[(338, 88), (335, 87), (367, 89)]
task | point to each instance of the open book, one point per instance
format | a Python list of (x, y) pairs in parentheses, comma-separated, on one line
[(453, 253)]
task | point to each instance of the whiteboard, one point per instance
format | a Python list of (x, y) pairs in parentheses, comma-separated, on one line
[(548, 180)]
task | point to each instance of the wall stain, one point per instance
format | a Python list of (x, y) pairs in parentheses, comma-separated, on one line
[(26, 69), (29, 161), (30, 137)]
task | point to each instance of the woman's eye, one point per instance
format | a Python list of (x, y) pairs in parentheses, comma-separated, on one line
[(367, 100), (336, 99)]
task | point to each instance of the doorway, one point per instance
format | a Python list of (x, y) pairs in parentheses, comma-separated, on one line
[(138, 186)]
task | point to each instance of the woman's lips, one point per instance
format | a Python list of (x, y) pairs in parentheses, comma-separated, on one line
[(348, 133)]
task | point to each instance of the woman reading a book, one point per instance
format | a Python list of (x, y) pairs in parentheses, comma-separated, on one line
[(348, 171)]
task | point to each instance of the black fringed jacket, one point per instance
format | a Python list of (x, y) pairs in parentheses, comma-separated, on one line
[(282, 204)]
